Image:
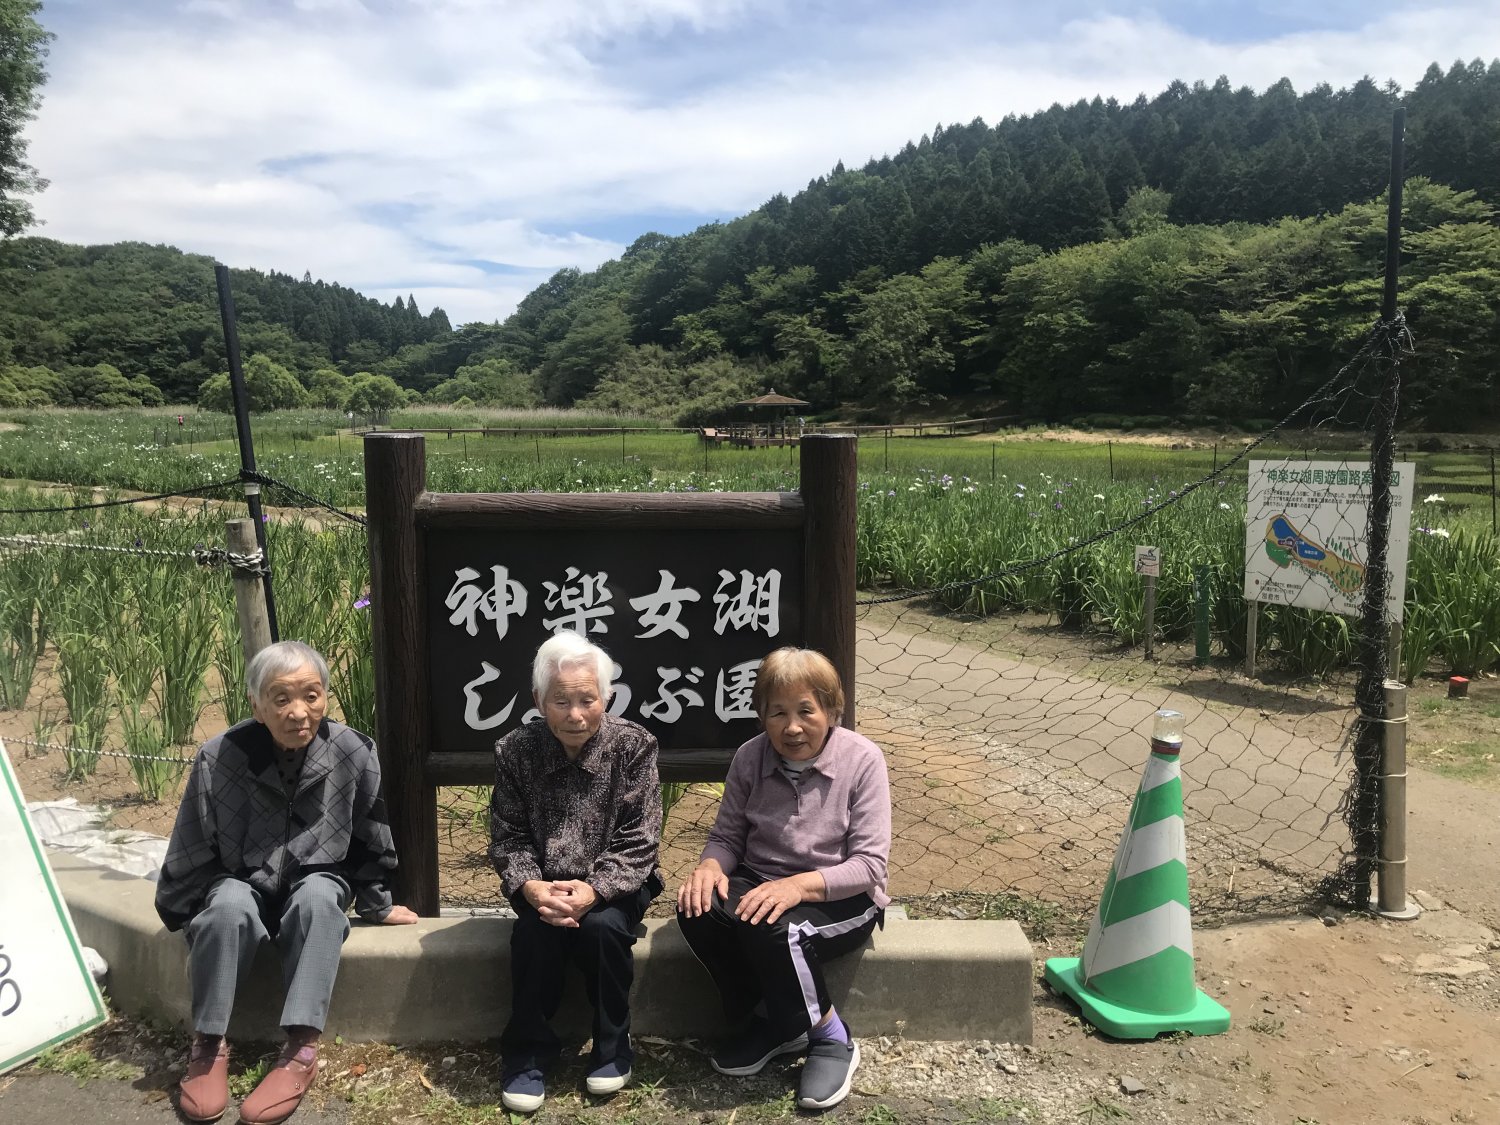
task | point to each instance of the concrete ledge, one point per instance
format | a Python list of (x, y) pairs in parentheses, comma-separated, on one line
[(449, 978)]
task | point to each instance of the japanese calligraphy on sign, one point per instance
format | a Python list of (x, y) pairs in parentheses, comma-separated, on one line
[(1307, 530), (687, 617)]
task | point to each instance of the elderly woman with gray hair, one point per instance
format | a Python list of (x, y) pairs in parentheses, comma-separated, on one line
[(575, 820), (282, 828)]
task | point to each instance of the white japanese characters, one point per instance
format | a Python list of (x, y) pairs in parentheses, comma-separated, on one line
[(744, 602), (754, 604), (469, 602)]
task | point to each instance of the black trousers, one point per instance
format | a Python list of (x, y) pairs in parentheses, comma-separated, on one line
[(779, 963), (601, 946)]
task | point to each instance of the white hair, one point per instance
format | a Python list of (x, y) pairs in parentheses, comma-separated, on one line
[(565, 649), (275, 661)]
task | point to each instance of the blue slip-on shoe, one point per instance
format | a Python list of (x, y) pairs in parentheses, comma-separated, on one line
[(828, 1073), (610, 1078), (524, 1091)]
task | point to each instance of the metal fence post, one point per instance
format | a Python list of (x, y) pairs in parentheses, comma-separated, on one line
[(1390, 876)]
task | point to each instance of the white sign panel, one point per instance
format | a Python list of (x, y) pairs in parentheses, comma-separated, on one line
[(1148, 562), (46, 992), (1307, 533)]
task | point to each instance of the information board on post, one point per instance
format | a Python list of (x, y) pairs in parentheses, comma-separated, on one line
[(1307, 534), (47, 994), (1148, 562)]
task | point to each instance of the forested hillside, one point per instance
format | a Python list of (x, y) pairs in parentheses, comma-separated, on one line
[(150, 316), (1209, 252)]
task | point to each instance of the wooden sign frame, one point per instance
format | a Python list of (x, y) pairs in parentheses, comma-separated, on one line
[(405, 519)]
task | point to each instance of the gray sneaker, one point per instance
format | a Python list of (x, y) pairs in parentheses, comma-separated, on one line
[(748, 1053), (827, 1073)]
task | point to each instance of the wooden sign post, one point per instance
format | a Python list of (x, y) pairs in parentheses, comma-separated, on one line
[(1148, 566), (686, 591)]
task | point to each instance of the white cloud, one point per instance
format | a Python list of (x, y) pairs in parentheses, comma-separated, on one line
[(386, 144)]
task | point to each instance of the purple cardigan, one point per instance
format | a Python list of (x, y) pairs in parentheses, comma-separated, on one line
[(837, 822)]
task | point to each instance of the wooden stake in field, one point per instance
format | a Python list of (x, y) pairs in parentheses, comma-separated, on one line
[(249, 594)]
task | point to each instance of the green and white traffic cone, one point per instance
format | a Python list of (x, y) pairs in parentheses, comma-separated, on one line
[(1135, 978)]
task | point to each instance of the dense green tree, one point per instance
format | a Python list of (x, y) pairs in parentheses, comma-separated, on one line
[(907, 334), (268, 386), (595, 342), (103, 386), (373, 397), (491, 382), (23, 47), (329, 389), (35, 386)]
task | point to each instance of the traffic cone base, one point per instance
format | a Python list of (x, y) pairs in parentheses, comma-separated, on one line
[(1206, 1016)]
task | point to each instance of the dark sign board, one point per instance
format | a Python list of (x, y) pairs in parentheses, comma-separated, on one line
[(687, 616), (687, 591)]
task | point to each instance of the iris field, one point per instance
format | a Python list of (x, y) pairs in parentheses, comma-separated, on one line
[(133, 646)]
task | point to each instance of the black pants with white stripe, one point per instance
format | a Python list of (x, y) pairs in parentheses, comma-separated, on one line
[(779, 963)]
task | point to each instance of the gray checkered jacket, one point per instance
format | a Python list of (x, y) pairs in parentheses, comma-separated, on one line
[(237, 821)]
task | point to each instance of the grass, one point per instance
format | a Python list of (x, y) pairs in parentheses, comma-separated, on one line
[(80, 1063), (1001, 1109), (1464, 761), (1098, 1109), (1041, 919), (244, 1081)]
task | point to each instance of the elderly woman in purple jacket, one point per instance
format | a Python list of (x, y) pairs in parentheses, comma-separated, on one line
[(793, 875)]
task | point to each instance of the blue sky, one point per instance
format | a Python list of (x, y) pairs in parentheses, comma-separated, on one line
[(463, 150)]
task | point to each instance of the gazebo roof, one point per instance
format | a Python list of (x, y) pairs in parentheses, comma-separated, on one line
[(772, 399)]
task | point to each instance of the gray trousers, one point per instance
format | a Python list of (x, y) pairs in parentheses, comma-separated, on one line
[(224, 936)]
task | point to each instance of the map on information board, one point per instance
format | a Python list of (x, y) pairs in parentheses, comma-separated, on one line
[(1307, 534), (47, 994)]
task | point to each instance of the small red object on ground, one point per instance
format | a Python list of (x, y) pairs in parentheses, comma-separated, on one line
[(1458, 687)]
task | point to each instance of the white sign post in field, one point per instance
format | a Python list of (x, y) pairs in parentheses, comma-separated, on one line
[(1148, 566), (1306, 534), (47, 994)]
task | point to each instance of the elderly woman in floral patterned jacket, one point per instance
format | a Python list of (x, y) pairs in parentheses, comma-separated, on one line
[(574, 825), (282, 828)]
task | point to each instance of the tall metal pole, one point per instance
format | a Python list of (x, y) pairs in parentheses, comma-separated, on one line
[(242, 429), (1369, 798), (1393, 213)]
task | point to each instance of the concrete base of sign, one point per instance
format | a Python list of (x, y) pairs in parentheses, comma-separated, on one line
[(449, 978)]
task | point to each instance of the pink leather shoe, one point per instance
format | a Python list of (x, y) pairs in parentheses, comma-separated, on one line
[(203, 1093), (280, 1091)]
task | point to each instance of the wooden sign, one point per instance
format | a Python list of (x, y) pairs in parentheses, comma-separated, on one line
[(47, 994), (687, 591)]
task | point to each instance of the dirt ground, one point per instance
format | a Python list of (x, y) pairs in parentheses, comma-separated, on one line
[(1346, 1021)]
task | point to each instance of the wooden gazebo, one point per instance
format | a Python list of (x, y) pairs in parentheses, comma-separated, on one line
[(777, 407)]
